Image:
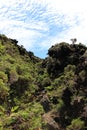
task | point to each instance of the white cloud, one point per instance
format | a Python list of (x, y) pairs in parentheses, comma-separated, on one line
[(41, 23)]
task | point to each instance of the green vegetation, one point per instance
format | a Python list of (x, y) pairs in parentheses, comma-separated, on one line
[(43, 94), (76, 124)]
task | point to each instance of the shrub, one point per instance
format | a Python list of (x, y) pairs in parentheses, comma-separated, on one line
[(4, 77), (60, 105), (69, 68), (3, 91), (46, 82), (76, 124), (2, 49), (19, 87), (59, 50), (82, 75), (13, 76), (53, 67), (19, 70)]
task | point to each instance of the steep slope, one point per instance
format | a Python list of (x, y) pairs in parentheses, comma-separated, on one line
[(66, 87), (18, 69), (49, 94)]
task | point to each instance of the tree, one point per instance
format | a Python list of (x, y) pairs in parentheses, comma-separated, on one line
[(74, 40)]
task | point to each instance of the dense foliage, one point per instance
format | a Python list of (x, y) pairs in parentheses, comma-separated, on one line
[(48, 94)]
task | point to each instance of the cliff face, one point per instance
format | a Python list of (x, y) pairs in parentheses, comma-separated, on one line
[(49, 94)]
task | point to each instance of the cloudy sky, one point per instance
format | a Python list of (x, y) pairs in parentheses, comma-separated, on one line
[(38, 24)]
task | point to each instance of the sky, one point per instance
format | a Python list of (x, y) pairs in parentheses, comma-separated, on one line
[(39, 24)]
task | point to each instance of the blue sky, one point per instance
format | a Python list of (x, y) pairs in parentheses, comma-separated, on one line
[(39, 24)]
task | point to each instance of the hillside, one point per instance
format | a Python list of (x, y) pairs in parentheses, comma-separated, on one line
[(43, 94)]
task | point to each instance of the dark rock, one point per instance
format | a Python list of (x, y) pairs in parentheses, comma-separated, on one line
[(45, 102)]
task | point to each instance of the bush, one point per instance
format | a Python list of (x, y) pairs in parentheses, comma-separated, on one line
[(4, 77), (46, 82), (76, 124), (53, 67), (19, 87), (17, 121), (13, 76), (2, 49), (3, 91), (70, 68), (59, 50), (19, 70), (82, 75)]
